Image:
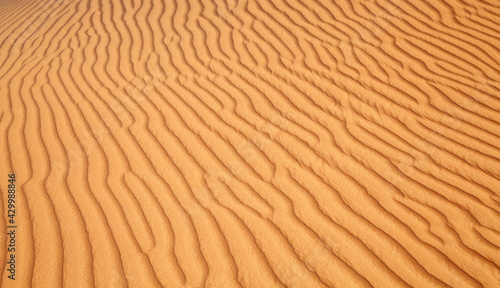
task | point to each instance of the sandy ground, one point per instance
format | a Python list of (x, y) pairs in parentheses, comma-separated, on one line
[(253, 143)]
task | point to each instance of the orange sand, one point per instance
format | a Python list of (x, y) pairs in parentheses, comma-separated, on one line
[(253, 143)]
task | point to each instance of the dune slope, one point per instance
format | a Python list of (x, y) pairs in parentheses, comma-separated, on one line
[(254, 143)]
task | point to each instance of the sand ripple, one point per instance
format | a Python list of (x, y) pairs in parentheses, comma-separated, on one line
[(254, 143)]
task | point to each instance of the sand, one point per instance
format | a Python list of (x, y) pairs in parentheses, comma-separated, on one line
[(253, 143)]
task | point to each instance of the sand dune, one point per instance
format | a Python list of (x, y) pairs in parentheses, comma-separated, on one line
[(254, 143)]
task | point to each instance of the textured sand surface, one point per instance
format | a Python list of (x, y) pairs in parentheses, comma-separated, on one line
[(253, 143)]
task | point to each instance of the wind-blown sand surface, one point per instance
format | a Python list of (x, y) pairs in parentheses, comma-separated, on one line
[(254, 143)]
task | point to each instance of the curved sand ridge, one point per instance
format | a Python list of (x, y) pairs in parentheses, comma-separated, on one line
[(258, 143)]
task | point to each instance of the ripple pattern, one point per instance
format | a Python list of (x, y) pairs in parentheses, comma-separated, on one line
[(252, 143)]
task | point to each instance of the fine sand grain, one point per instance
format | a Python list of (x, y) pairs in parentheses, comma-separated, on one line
[(252, 143)]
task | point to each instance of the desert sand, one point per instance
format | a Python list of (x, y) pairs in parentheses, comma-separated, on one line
[(253, 143)]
